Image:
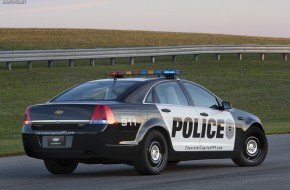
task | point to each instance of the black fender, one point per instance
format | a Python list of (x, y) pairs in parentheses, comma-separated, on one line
[(149, 124), (245, 120)]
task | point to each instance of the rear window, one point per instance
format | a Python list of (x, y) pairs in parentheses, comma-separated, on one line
[(96, 91)]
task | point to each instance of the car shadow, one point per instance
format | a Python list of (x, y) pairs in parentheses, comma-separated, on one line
[(125, 170)]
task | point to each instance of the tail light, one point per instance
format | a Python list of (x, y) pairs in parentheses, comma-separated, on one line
[(103, 115), (27, 116)]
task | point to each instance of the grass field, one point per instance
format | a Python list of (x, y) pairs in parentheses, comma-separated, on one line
[(16, 39), (261, 88)]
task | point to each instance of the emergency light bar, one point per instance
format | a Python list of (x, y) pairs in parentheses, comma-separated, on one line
[(166, 73)]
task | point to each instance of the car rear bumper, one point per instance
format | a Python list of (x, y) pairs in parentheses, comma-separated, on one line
[(85, 146)]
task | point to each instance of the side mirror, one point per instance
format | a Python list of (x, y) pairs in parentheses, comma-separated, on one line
[(226, 105)]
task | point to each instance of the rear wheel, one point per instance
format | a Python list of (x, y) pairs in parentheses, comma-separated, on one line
[(60, 166), (255, 148), (154, 154)]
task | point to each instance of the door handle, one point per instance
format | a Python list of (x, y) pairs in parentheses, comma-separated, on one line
[(166, 110), (204, 114)]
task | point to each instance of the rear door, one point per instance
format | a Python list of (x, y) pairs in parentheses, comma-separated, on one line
[(180, 118), (216, 126)]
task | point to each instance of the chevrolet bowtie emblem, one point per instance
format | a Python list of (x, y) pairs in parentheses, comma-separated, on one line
[(58, 112), (56, 139)]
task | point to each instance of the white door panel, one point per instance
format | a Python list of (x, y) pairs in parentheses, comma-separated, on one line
[(182, 123), (191, 130), (218, 130)]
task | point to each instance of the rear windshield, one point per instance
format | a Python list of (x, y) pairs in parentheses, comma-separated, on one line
[(96, 91)]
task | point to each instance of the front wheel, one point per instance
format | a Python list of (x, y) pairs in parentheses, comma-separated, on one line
[(154, 154), (60, 166), (255, 148)]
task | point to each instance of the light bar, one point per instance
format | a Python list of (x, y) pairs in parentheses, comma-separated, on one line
[(166, 73)]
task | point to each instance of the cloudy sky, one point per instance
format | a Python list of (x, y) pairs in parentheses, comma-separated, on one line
[(241, 17)]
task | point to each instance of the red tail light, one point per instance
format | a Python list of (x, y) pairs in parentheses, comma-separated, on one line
[(27, 116), (103, 115)]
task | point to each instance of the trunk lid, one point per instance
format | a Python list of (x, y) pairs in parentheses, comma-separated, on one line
[(62, 112)]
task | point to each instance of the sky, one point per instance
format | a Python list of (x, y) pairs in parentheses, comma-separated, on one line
[(238, 17)]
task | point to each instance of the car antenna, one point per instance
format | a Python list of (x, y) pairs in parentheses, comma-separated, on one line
[(114, 77)]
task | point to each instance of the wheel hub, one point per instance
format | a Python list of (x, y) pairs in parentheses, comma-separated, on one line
[(252, 147), (155, 153)]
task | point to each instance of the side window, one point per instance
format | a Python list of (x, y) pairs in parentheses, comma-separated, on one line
[(201, 97), (149, 98), (167, 93)]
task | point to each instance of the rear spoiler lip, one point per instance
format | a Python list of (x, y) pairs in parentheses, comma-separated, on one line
[(94, 103), (60, 122)]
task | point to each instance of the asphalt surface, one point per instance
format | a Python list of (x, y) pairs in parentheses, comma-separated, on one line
[(27, 173)]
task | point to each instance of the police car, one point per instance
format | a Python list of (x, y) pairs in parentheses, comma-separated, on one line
[(144, 122)]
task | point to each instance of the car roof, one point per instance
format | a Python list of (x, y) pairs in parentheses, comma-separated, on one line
[(127, 79)]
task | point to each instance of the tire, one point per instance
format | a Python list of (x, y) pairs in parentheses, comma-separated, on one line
[(154, 154), (255, 148), (60, 166)]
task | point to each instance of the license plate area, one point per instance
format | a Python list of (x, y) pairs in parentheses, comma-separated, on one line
[(57, 141)]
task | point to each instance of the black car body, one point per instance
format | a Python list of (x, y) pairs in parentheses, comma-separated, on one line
[(145, 122)]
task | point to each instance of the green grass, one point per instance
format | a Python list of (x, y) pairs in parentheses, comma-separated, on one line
[(259, 87), (17, 39)]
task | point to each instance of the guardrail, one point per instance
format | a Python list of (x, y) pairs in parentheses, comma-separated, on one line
[(29, 56)]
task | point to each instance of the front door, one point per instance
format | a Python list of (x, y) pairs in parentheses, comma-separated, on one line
[(216, 126)]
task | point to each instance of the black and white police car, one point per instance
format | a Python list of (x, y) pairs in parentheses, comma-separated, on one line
[(144, 122)]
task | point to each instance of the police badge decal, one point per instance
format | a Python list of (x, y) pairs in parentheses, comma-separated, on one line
[(230, 131)]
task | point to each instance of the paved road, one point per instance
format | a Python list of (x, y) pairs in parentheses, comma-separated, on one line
[(26, 173)]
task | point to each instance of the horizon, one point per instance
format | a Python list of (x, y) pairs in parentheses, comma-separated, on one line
[(144, 31), (259, 18)]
